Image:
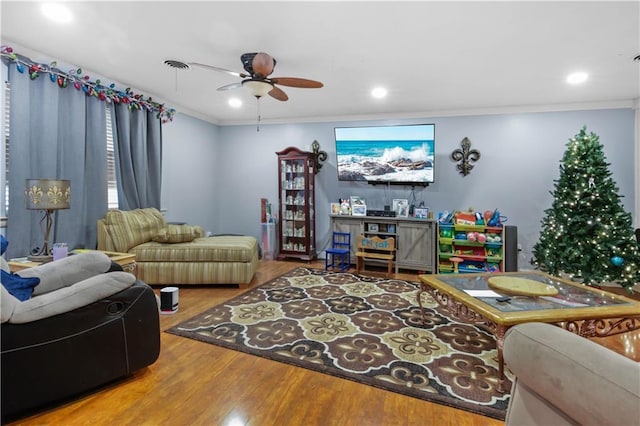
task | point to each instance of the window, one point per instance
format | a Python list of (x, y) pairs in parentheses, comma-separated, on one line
[(112, 188), (4, 151)]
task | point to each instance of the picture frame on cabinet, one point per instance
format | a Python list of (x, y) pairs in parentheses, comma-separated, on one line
[(401, 207), (421, 213), (359, 210), (357, 201), (396, 202), (335, 208)]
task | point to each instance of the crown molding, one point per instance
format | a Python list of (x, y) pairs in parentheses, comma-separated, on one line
[(515, 109)]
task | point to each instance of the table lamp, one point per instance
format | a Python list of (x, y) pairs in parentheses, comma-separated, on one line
[(46, 195)]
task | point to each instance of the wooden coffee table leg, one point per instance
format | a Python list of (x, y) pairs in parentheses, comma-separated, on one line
[(420, 303), (500, 332)]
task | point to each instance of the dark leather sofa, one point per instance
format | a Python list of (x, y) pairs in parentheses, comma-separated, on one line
[(55, 358)]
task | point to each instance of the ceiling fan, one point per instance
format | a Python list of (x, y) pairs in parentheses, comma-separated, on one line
[(258, 67)]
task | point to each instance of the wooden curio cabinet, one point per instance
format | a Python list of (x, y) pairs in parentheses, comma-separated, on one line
[(297, 204)]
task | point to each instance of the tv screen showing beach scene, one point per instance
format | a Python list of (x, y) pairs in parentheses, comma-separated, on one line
[(386, 154)]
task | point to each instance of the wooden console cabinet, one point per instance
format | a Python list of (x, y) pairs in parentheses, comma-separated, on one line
[(416, 239)]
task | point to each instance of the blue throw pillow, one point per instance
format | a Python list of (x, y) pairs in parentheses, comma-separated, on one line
[(20, 288), (3, 244)]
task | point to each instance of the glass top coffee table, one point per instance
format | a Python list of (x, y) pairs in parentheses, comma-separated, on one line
[(484, 300)]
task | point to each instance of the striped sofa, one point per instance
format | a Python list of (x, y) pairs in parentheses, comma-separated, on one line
[(177, 254)]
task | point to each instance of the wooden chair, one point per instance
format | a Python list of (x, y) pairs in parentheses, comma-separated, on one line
[(375, 248), (339, 255)]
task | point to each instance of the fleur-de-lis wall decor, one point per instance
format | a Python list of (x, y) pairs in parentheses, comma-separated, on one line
[(465, 155), (318, 156)]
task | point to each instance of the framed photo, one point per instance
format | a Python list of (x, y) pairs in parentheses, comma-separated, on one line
[(397, 202), (421, 212), (335, 208), (373, 227), (401, 207), (359, 210), (357, 201)]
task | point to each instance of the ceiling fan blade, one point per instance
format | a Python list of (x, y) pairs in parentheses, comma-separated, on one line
[(211, 67), (230, 86), (297, 82), (278, 94)]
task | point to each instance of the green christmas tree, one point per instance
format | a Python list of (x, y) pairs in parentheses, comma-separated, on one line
[(586, 233)]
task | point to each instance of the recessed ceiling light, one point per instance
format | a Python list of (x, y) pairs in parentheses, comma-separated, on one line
[(379, 92), (235, 103), (577, 77), (57, 12)]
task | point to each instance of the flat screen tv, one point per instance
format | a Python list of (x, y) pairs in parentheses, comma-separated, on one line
[(400, 154)]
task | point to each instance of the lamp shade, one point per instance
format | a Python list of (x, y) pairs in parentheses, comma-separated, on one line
[(257, 87), (47, 194)]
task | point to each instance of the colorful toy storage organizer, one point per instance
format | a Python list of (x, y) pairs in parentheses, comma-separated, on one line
[(466, 248)]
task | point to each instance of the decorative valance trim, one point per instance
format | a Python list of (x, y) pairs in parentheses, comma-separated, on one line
[(80, 81)]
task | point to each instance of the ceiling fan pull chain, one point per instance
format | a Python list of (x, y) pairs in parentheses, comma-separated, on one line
[(258, 124)]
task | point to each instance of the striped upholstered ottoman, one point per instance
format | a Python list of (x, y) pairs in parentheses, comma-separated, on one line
[(178, 254)]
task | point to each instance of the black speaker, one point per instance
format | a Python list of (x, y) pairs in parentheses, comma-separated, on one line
[(510, 248)]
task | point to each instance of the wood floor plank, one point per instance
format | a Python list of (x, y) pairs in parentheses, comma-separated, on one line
[(195, 383)]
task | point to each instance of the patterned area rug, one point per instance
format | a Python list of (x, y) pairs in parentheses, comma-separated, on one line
[(366, 329)]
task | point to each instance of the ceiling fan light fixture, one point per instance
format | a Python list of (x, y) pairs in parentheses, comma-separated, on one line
[(258, 88)]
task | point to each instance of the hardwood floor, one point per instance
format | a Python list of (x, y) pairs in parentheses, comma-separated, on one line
[(194, 383)]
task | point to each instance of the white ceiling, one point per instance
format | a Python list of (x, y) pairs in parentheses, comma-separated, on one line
[(435, 58)]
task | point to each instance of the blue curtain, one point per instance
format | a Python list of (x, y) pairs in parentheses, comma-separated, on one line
[(58, 134), (137, 139)]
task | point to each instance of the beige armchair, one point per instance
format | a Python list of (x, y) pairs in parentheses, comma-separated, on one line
[(565, 379)]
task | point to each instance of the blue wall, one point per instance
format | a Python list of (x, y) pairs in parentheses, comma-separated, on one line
[(215, 176), (189, 163)]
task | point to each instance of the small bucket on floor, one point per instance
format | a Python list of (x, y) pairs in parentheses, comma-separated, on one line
[(169, 300)]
